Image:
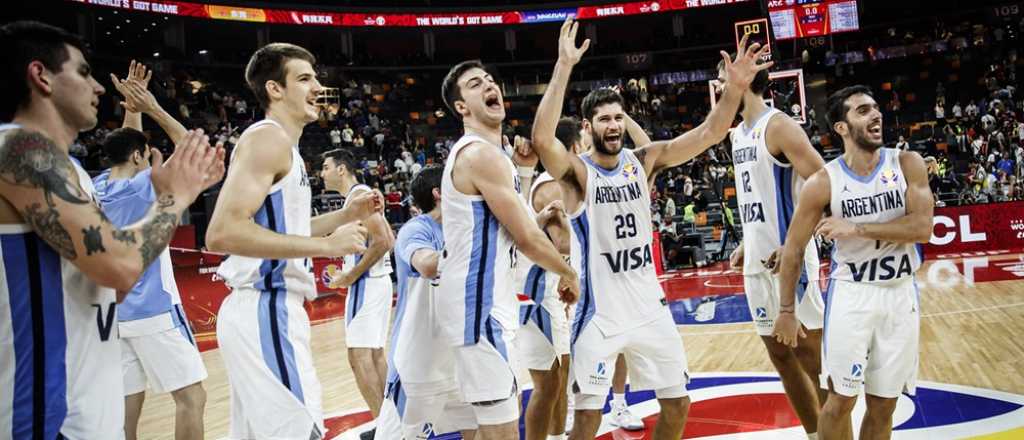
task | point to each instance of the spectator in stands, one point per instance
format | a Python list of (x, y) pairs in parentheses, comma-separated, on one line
[(902, 144), (1005, 164), (957, 111), (688, 187), (336, 137), (972, 110), (347, 135), (670, 205)]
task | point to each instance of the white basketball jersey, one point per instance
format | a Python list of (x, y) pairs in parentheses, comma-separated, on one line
[(383, 266), (878, 198), (766, 191), (532, 280), (285, 210), (478, 261), (619, 288), (60, 355)]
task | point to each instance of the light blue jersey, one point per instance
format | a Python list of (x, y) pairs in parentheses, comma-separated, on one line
[(417, 356), (153, 305)]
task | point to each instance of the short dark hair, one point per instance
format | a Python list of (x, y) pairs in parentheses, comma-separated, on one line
[(342, 157), (119, 144), (837, 108), (24, 42), (761, 79), (422, 186), (450, 90), (268, 64), (597, 98), (568, 131)]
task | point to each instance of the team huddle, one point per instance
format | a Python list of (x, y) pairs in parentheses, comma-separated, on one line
[(505, 270)]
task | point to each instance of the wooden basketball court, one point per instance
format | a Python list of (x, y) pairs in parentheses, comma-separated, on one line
[(971, 322)]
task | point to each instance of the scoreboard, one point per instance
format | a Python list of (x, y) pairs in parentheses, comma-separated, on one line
[(809, 18)]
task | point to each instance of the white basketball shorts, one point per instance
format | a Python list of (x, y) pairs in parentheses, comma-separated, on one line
[(407, 413), (264, 339), (368, 312), (166, 361), (871, 337), (654, 352), (543, 335), (486, 375), (763, 298)]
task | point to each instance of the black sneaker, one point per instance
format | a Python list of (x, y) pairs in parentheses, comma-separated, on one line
[(368, 435)]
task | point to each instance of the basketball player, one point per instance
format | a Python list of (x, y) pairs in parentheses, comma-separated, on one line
[(622, 416), (368, 303), (628, 314), (881, 210), (157, 347), (62, 259), (772, 156), (482, 215), (262, 218), (543, 339), (422, 394)]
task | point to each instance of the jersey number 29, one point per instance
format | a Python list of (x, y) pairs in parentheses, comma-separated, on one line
[(625, 226)]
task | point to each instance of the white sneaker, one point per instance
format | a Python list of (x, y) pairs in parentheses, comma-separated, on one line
[(623, 418)]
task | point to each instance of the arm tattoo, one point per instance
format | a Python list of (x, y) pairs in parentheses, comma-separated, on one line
[(157, 232), (93, 240), (48, 227), (124, 236), (30, 159)]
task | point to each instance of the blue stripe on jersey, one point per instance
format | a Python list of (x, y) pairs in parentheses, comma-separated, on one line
[(397, 395), (586, 310), (828, 305), (863, 179), (403, 300), (479, 292), (783, 198), (36, 297), (356, 295), (277, 349), (801, 286), (604, 171), (535, 286), (183, 326), (271, 216), (494, 337)]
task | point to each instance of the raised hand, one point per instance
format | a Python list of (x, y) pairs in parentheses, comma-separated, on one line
[(186, 172), (741, 71), (136, 98), (139, 75), (568, 52)]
